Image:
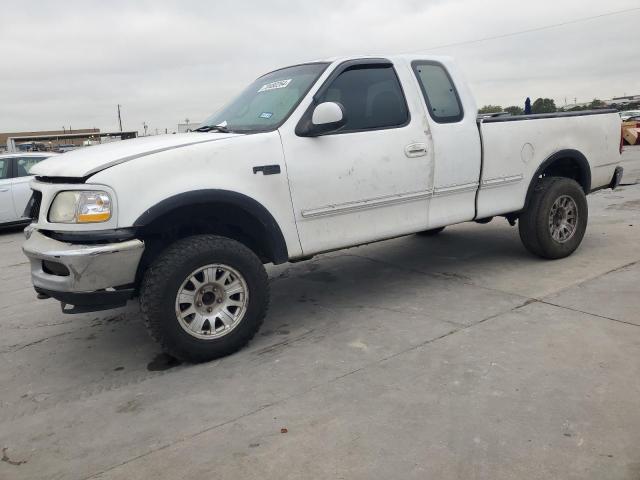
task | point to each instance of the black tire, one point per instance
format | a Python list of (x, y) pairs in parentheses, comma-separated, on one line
[(431, 233), (533, 224), (166, 275)]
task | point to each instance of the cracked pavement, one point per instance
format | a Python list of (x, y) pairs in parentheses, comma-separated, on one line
[(453, 357)]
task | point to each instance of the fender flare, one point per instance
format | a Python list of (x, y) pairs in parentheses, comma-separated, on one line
[(581, 160), (275, 239)]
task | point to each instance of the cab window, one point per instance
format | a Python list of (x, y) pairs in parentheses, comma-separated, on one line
[(371, 96), (439, 92)]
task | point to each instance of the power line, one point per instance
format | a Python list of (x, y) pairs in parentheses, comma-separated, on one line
[(530, 30)]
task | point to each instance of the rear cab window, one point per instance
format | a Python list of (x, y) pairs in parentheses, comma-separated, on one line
[(438, 90)]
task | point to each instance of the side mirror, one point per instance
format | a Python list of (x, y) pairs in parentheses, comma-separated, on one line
[(328, 113), (326, 117)]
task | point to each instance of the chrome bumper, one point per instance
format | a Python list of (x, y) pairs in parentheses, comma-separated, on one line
[(91, 267)]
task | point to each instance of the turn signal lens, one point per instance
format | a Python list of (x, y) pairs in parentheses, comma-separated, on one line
[(94, 207)]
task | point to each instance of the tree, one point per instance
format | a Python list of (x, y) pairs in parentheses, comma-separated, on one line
[(490, 109), (544, 105), (514, 110), (597, 104)]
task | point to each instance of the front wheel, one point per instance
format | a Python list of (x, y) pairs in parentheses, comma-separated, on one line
[(555, 221), (204, 297)]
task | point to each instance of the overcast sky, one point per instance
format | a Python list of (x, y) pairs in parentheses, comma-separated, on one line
[(71, 62)]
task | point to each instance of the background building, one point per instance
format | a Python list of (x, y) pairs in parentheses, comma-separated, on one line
[(58, 140), (188, 126)]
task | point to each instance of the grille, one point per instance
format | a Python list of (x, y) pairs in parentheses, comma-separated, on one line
[(33, 207)]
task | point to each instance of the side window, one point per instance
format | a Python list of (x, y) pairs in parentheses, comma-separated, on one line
[(439, 92), (25, 164), (371, 96), (4, 167)]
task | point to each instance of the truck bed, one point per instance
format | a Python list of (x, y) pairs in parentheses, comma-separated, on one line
[(514, 148)]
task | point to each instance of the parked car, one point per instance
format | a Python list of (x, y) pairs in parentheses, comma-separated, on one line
[(310, 158), (31, 147), (628, 114), (66, 148), (14, 185)]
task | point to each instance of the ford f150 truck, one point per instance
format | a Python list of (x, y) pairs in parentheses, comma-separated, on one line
[(310, 158)]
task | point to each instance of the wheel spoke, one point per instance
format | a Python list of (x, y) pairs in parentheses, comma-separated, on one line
[(196, 324), (225, 317), (196, 283), (233, 288), (234, 303), (188, 311), (209, 275), (186, 296), (225, 276)]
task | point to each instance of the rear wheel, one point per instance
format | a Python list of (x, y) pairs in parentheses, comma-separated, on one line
[(555, 221), (204, 297), (431, 233)]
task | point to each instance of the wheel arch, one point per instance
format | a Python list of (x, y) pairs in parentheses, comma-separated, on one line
[(246, 212), (567, 163)]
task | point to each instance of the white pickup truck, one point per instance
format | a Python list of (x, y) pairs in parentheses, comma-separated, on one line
[(307, 159)]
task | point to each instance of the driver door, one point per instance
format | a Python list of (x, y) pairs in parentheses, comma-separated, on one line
[(372, 178)]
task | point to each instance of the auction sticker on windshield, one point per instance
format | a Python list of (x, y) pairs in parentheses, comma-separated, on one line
[(274, 85)]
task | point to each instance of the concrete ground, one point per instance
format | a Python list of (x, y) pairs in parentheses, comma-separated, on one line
[(454, 357)]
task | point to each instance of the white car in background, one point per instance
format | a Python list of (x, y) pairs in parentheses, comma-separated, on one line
[(626, 115), (14, 184)]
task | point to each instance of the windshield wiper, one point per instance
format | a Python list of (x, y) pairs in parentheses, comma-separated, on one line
[(211, 128)]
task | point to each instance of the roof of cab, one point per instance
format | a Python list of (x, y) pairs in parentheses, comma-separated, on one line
[(404, 56)]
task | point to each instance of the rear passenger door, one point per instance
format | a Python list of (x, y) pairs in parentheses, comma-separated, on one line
[(371, 179), (456, 143), (6, 201)]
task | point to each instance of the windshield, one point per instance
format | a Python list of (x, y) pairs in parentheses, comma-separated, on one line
[(268, 101)]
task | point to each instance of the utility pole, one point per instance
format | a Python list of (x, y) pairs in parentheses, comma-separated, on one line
[(119, 118)]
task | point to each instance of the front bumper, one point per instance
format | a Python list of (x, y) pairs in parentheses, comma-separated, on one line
[(99, 275)]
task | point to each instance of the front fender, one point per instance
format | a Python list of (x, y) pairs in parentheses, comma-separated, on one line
[(276, 241)]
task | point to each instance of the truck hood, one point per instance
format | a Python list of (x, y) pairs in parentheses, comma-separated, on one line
[(87, 161)]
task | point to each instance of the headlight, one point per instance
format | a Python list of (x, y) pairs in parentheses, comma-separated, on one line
[(80, 207)]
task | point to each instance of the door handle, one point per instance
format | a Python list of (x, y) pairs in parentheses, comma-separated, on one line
[(267, 169), (4, 189), (415, 150)]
